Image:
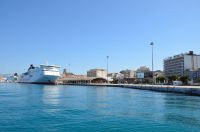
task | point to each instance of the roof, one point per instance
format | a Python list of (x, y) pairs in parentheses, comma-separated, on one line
[(97, 69)]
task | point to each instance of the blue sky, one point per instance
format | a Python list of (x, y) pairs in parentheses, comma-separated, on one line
[(84, 32)]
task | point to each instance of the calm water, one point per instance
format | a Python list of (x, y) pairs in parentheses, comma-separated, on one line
[(27, 107)]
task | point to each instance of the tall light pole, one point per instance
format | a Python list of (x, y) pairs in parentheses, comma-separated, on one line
[(69, 67), (107, 57), (152, 44)]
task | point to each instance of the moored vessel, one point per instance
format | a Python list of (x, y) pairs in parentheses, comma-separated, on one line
[(45, 74)]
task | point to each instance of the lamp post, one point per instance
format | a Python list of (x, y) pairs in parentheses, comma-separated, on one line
[(107, 57), (69, 67), (152, 45)]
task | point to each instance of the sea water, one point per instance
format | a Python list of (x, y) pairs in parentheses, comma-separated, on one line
[(31, 107)]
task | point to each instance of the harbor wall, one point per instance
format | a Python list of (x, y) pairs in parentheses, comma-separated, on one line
[(190, 90)]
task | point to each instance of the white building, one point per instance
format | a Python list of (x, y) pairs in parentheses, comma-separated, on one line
[(179, 64), (99, 73), (116, 76)]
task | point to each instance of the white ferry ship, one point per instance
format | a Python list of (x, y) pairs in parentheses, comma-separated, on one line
[(45, 74)]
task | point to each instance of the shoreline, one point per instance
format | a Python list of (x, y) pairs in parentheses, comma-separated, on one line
[(189, 90)]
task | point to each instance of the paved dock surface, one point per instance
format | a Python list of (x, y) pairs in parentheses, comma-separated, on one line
[(190, 90)]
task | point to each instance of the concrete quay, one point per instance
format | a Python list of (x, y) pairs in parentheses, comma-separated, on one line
[(189, 90)]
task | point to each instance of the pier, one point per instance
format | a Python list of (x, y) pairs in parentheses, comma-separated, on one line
[(189, 90)]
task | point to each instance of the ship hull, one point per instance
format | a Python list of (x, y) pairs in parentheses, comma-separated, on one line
[(40, 80), (42, 75)]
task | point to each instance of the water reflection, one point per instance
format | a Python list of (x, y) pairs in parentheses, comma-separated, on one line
[(51, 95), (51, 99), (74, 108)]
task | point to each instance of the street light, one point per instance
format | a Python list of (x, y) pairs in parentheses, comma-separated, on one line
[(152, 44), (107, 68), (69, 67)]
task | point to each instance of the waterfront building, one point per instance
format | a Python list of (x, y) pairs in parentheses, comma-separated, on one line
[(67, 74), (144, 72), (128, 76), (158, 73), (179, 65), (128, 73), (100, 73), (80, 79), (116, 77), (193, 75), (74, 79), (144, 75), (93, 76), (159, 77)]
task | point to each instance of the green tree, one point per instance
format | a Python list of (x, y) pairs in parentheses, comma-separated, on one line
[(172, 78), (184, 79), (160, 79)]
